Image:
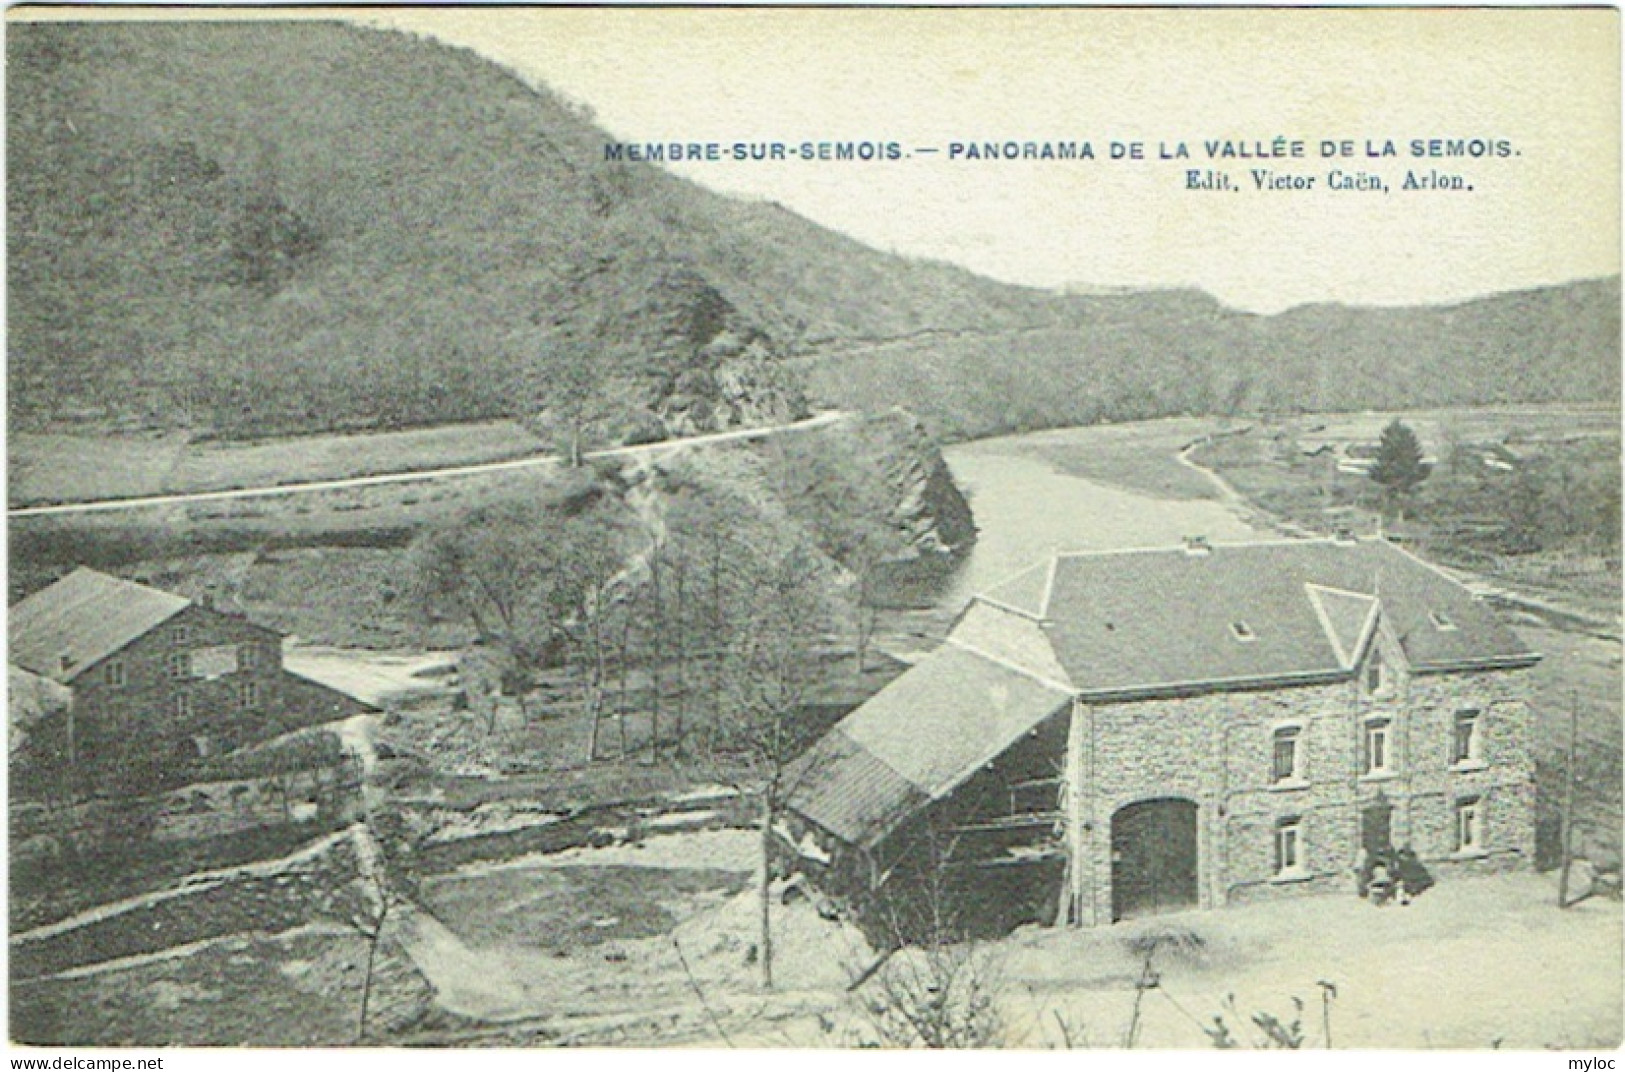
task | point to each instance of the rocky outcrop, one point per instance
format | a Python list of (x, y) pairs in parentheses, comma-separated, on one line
[(931, 509)]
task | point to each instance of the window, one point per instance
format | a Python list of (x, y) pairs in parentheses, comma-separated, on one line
[(248, 657), (248, 693), (178, 665), (1469, 825), (1374, 676), (1284, 763), (1378, 747), (183, 634), (1465, 745), (115, 673), (1289, 846), (183, 705)]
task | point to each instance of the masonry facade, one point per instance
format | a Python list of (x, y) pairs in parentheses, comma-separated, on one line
[(1119, 735), (153, 684)]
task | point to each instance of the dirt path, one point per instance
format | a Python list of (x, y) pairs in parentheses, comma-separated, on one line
[(303, 487), (475, 986)]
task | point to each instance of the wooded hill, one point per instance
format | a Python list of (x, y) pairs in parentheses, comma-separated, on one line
[(250, 229)]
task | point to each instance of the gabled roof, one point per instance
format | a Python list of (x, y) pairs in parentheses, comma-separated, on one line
[(1027, 592), (61, 631), (1347, 617), (849, 791), (1283, 610)]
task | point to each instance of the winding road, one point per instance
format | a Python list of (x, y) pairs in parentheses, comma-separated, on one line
[(408, 476)]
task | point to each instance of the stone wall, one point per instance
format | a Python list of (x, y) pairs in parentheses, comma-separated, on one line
[(1216, 750), (194, 812)]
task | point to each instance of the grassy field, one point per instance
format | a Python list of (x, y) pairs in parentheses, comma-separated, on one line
[(300, 988), (1544, 524), (564, 910), (44, 468), (61, 468)]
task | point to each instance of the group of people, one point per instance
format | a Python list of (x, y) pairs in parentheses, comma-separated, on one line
[(1389, 874)]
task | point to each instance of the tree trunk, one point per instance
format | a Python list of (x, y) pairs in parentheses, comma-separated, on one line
[(866, 629), (682, 660), (764, 884), (1568, 803), (622, 706), (657, 654), (592, 734), (366, 982)]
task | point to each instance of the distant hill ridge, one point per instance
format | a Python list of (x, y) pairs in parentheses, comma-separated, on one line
[(251, 229)]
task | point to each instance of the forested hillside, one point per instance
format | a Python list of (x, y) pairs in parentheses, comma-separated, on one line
[(250, 229)]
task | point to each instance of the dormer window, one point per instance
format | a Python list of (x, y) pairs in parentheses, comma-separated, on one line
[(1441, 621), (1374, 673), (1242, 631)]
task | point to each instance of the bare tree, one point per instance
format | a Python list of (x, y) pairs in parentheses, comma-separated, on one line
[(707, 538), (936, 988), (366, 888), (771, 666), (848, 505), (534, 583)]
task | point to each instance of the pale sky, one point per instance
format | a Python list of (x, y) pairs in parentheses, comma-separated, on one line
[(1544, 81)]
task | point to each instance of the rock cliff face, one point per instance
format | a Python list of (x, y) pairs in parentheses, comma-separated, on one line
[(887, 456), (931, 510)]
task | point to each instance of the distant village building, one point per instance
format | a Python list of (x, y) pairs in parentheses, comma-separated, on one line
[(1109, 735), (115, 685)]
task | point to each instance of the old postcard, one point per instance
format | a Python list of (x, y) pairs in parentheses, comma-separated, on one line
[(825, 528)]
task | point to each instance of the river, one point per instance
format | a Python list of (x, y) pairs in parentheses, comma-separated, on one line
[(1025, 509)]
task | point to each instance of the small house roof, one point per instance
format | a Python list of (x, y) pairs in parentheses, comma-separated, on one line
[(63, 630)]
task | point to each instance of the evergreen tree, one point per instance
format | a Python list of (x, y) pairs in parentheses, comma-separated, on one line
[(1400, 469)]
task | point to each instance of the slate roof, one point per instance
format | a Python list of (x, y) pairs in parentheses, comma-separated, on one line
[(916, 740), (849, 791), (1120, 625), (85, 617), (1150, 620)]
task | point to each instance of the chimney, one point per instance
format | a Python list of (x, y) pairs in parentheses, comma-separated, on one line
[(65, 660), (1197, 545)]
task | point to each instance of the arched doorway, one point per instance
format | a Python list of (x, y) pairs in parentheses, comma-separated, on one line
[(1153, 858)]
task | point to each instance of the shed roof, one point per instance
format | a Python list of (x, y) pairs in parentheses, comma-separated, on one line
[(849, 791), (63, 630), (917, 739)]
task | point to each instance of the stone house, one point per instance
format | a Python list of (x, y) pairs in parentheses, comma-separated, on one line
[(145, 684), (1114, 734)]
